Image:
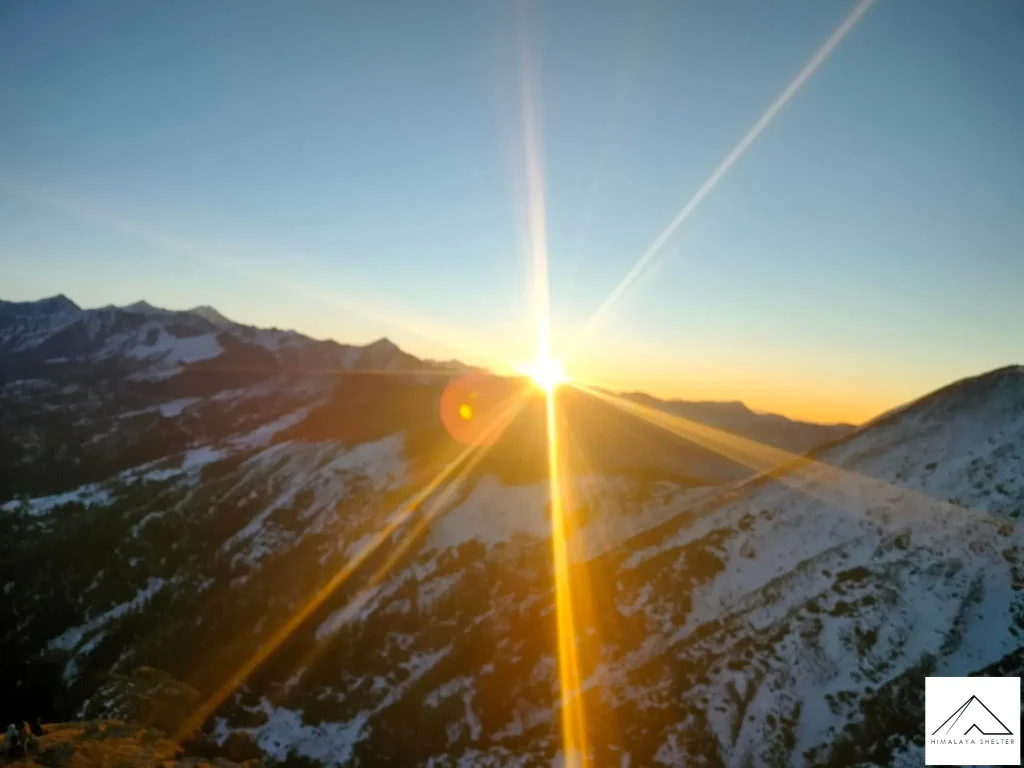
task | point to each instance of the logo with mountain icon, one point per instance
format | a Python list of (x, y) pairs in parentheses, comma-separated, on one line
[(972, 720), (976, 717)]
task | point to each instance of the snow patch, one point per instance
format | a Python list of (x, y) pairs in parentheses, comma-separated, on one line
[(173, 350), (264, 434), (198, 458), (91, 495), (175, 407), (72, 637), (328, 743)]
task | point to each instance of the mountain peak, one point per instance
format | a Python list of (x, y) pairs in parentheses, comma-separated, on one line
[(47, 306), (143, 307), (383, 343), (60, 301), (207, 312), (970, 392), (973, 715)]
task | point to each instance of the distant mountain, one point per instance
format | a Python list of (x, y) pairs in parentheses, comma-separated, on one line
[(149, 343), (73, 374), (24, 325), (782, 432), (211, 314)]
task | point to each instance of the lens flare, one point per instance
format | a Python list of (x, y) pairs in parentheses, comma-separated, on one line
[(471, 404), (435, 506)]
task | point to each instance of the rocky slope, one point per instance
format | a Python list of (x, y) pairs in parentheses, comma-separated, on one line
[(91, 743)]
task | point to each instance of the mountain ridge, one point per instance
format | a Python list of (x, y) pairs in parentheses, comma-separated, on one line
[(737, 416), (92, 392), (386, 355), (158, 343)]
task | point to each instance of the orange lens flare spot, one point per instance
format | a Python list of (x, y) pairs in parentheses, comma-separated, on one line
[(472, 404)]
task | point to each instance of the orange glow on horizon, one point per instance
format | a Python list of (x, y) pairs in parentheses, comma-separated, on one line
[(802, 391), (845, 489)]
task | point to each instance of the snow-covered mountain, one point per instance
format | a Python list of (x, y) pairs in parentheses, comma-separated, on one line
[(779, 619), (152, 344), (89, 392)]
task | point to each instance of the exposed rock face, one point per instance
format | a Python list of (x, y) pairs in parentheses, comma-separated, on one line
[(111, 744), (147, 696)]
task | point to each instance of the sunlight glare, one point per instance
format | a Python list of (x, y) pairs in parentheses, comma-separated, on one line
[(392, 522), (435, 506), (546, 372), (838, 487), (574, 735)]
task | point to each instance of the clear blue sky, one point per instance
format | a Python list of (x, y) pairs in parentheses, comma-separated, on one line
[(356, 170)]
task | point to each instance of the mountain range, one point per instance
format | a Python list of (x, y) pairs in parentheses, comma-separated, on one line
[(91, 391), (177, 487), (147, 343)]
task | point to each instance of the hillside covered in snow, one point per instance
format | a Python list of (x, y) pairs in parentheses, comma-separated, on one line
[(725, 617)]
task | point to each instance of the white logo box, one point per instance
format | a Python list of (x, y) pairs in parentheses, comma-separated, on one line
[(972, 720)]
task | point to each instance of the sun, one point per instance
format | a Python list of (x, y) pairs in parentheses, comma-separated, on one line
[(546, 372)]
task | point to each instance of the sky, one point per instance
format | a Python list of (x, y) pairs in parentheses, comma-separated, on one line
[(358, 170)]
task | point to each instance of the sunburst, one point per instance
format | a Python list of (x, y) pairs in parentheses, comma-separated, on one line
[(546, 372)]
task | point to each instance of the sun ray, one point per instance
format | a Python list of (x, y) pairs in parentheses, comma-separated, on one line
[(268, 647), (500, 424), (583, 480), (619, 92), (536, 217), (547, 375), (574, 738), (432, 509), (730, 159), (839, 487)]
